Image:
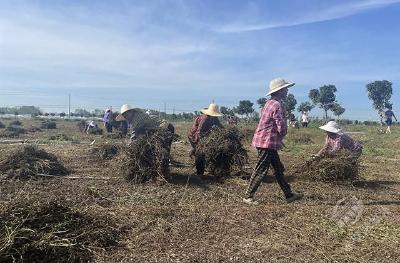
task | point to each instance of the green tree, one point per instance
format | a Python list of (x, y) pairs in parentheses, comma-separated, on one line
[(224, 110), (324, 97), (245, 108), (82, 113), (227, 111), (261, 102), (30, 110), (289, 103), (305, 107), (380, 92), (338, 110), (97, 113), (62, 114)]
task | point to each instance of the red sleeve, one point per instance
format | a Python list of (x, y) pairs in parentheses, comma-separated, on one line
[(194, 131)]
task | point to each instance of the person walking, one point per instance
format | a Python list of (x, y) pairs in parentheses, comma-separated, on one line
[(304, 119), (389, 115), (271, 130)]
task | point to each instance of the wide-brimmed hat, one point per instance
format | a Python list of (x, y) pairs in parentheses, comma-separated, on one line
[(332, 126), (124, 108), (278, 84), (212, 110)]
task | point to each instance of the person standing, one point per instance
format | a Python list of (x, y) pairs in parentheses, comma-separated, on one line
[(201, 126), (107, 120), (271, 130), (304, 119), (389, 115)]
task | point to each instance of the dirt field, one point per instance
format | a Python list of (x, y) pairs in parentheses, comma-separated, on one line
[(193, 220)]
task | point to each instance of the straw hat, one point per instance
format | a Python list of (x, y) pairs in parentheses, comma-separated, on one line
[(124, 108), (278, 84), (212, 110), (332, 126)]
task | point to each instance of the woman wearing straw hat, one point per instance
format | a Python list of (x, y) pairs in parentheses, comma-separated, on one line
[(201, 126), (337, 140), (139, 121), (268, 137), (142, 123)]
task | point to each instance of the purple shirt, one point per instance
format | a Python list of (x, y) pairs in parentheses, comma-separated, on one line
[(107, 117)]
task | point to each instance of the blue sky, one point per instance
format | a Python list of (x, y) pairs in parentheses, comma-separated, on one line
[(188, 53)]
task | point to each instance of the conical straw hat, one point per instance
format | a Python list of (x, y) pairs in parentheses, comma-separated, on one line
[(332, 126), (212, 110), (278, 84)]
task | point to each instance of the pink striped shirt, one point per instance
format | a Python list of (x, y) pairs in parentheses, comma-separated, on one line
[(272, 127), (337, 142)]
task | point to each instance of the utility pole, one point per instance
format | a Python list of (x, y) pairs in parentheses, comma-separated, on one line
[(69, 106)]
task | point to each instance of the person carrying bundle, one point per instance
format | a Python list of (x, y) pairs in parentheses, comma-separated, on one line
[(336, 140), (142, 124), (201, 126), (268, 137)]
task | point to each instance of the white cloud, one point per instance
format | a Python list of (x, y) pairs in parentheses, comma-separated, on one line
[(332, 13), (77, 54)]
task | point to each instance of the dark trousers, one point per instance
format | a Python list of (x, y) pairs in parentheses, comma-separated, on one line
[(199, 159), (108, 127), (304, 124), (200, 163), (267, 157)]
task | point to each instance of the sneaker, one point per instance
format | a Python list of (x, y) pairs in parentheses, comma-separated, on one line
[(295, 196), (250, 201)]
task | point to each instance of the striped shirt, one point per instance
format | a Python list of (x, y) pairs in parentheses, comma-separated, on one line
[(337, 142), (272, 127)]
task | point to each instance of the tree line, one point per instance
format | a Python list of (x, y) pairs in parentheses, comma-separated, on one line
[(324, 97)]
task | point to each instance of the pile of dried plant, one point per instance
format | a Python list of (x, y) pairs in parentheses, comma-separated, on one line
[(223, 151), (95, 131), (15, 123), (33, 129), (12, 131), (81, 125), (48, 124), (146, 157), (52, 232), (60, 137), (105, 151), (28, 162), (341, 166)]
